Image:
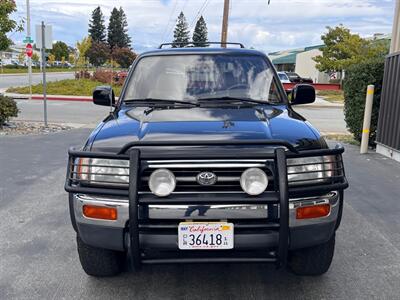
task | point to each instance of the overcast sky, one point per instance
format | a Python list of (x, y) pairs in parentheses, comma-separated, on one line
[(283, 24)]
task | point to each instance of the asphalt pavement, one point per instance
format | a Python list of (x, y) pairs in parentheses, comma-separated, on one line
[(14, 80), (38, 257), (325, 119)]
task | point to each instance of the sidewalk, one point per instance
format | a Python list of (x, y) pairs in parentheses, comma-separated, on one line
[(35, 73), (319, 102), (49, 97)]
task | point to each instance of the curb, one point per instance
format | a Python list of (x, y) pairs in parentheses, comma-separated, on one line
[(89, 99), (53, 98), (322, 106), (50, 98), (35, 73)]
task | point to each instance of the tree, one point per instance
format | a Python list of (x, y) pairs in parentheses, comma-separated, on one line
[(181, 32), (7, 7), (35, 57), (200, 33), (60, 50), (343, 49), (97, 27), (98, 54), (51, 59), (124, 57), (83, 47), (72, 58), (117, 30), (21, 58), (126, 42)]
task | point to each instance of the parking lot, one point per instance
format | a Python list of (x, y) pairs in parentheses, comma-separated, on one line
[(327, 120), (39, 258)]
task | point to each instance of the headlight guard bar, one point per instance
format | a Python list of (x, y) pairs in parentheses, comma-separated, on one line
[(277, 150)]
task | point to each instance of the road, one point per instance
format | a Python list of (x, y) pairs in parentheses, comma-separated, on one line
[(39, 258), (327, 120), (7, 81)]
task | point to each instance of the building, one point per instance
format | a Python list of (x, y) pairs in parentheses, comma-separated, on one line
[(300, 61), (388, 133), (13, 55)]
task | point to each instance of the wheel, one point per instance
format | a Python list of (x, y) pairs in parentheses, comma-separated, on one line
[(314, 261), (99, 262)]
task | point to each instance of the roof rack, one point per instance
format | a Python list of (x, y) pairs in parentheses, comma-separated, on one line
[(192, 44)]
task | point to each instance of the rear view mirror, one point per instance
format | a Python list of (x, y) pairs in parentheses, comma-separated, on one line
[(303, 94), (104, 95)]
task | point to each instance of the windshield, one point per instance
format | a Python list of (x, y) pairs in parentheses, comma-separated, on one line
[(282, 76), (193, 77)]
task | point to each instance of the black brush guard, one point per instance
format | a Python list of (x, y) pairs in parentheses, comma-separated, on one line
[(234, 150)]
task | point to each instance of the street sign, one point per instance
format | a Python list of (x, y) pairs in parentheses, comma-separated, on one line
[(29, 50), (28, 40), (48, 36)]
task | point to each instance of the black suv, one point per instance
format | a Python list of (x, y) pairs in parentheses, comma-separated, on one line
[(296, 78), (204, 160)]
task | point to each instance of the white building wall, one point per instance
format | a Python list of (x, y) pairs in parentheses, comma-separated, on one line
[(305, 66)]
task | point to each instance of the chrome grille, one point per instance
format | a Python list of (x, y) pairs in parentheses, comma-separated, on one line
[(227, 171)]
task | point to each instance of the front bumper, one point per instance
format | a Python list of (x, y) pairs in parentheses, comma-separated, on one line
[(111, 234), (140, 232)]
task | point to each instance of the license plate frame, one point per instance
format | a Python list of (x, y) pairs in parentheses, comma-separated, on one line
[(205, 236)]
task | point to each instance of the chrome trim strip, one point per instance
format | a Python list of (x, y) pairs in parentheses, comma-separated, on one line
[(204, 212), (211, 212), (193, 178)]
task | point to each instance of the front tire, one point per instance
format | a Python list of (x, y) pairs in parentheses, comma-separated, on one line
[(99, 262), (312, 261)]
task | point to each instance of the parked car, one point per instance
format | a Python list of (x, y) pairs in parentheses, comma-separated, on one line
[(296, 78), (204, 160), (283, 77), (120, 76)]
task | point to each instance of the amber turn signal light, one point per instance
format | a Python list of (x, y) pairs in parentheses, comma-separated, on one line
[(311, 212), (100, 212)]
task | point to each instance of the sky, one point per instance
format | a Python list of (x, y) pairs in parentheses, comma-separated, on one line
[(283, 24)]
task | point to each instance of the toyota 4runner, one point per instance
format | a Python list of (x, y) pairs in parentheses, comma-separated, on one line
[(204, 160)]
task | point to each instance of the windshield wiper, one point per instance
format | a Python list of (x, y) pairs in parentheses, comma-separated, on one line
[(156, 102), (233, 99)]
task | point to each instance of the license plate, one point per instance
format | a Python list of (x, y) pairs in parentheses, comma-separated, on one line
[(205, 236)]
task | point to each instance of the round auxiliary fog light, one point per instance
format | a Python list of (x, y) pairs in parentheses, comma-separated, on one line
[(162, 182), (254, 181)]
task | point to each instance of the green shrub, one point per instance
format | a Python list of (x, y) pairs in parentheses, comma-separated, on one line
[(357, 78), (8, 109)]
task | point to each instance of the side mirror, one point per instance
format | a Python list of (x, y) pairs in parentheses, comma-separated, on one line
[(104, 95), (303, 94)]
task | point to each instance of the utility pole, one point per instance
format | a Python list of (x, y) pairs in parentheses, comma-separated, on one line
[(224, 33), (28, 35), (395, 44), (44, 74)]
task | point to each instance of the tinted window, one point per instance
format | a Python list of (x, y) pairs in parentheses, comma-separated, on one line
[(282, 76), (189, 77)]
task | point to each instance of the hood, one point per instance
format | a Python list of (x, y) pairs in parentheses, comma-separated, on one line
[(200, 124)]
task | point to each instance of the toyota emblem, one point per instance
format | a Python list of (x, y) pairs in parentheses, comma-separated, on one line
[(206, 178)]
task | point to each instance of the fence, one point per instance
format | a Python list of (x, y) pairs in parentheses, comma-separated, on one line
[(389, 116)]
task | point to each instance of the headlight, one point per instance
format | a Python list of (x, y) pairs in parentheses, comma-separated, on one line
[(162, 182), (103, 171), (310, 170), (254, 181)]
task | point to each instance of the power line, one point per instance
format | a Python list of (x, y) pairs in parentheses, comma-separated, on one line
[(183, 7), (201, 10), (169, 20)]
